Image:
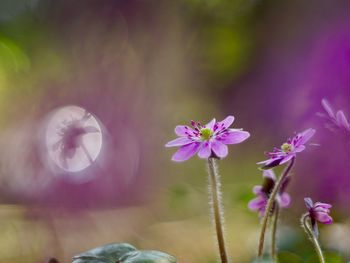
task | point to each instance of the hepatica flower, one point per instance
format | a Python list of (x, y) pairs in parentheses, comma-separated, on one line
[(337, 120), (208, 140), (318, 212), (263, 193), (288, 150)]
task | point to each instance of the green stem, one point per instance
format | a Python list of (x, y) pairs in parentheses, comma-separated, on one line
[(274, 232), (214, 186), (269, 205), (308, 229)]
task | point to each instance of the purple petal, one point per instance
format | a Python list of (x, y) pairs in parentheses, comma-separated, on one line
[(186, 152), (308, 202), (257, 203), (265, 161), (257, 189), (179, 142), (284, 200), (270, 163), (327, 107), (182, 130), (323, 218), (287, 158), (341, 120), (220, 149), (299, 148), (269, 174), (233, 136), (210, 124), (322, 205), (306, 135), (205, 150), (227, 121)]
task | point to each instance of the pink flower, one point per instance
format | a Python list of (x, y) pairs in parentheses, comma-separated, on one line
[(318, 212), (288, 150), (337, 120), (263, 193), (208, 140)]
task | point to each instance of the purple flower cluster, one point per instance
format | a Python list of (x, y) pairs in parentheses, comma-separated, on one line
[(208, 140), (211, 140), (263, 193), (288, 150)]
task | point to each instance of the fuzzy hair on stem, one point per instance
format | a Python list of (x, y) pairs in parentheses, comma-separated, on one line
[(216, 207)]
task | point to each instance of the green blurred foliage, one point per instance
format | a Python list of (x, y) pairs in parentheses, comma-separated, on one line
[(225, 51), (330, 257), (288, 257)]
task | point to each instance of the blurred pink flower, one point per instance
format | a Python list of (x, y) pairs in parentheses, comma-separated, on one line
[(263, 192), (337, 119)]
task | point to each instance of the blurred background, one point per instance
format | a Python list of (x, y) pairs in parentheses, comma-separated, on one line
[(121, 75)]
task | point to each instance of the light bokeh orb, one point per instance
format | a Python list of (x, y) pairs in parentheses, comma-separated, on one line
[(73, 139)]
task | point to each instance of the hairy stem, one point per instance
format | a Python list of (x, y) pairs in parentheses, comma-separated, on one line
[(269, 205), (214, 186), (308, 229), (274, 232)]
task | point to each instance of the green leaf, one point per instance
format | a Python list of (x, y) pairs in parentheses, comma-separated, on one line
[(147, 256), (289, 257), (109, 253), (330, 257)]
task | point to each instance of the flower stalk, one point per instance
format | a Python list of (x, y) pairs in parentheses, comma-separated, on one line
[(270, 205), (305, 222), (274, 232), (216, 206)]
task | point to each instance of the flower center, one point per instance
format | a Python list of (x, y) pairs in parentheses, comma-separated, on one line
[(206, 133), (287, 147)]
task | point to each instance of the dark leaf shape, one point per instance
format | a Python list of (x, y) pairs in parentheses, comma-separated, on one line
[(274, 163), (268, 185), (147, 256), (109, 253)]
